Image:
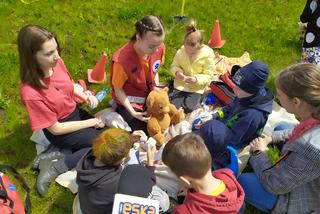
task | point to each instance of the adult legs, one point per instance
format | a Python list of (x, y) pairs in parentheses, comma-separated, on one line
[(76, 143), (255, 194)]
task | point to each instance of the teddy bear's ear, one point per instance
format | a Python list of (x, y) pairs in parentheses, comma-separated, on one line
[(165, 89)]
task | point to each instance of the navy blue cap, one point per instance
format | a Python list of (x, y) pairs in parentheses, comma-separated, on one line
[(252, 77)]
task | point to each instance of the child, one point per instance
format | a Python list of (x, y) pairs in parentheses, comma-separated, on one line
[(208, 192), (193, 68), (99, 171), (134, 70), (292, 185), (242, 120)]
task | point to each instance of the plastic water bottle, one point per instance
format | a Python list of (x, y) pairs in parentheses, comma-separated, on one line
[(100, 96)]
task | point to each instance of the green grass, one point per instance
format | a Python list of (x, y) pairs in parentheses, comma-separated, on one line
[(266, 29)]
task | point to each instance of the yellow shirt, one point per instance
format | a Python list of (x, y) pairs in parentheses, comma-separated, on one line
[(218, 190), (203, 68)]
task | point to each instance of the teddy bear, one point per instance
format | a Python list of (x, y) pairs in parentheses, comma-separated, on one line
[(162, 114)]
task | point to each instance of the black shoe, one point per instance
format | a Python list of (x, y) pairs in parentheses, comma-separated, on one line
[(46, 155), (49, 170)]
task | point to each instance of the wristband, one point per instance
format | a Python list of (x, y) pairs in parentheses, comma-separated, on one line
[(256, 152), (218, 114)]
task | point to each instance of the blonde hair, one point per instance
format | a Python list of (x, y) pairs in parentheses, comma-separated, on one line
[(302, 81), (112, 145)]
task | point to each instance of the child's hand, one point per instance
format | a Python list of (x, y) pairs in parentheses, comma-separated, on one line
[(190, 80), (139, 133), (180, 76), (151, 152)]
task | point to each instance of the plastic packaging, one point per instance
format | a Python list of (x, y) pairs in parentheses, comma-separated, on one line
[(210, 99), (150, 142)]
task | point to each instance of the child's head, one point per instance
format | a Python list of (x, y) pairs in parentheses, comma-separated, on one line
[(149, 35), (38, 49), (249, 79), (300, 81), (193, 39), (187, 155), (112, 146)]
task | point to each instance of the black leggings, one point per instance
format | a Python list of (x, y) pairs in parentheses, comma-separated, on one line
[(134, 123), (77, 142), (187, 100)]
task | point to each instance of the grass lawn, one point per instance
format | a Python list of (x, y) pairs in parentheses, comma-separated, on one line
[(266, 29)]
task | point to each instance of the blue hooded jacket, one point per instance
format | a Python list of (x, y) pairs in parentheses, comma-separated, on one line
[(243, 121)]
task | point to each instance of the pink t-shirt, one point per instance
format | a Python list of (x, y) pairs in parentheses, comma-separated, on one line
[(46, 106)]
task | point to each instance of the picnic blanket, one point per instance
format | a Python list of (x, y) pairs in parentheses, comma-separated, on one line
[(165, 178)]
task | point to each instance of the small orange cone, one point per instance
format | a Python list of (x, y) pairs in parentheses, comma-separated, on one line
[(215, 41), (98, 74)]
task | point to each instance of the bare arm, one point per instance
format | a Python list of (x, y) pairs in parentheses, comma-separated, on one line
[(90, 100), (72, 126), (156, 79)]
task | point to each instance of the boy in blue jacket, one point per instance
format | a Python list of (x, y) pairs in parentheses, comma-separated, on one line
[(242, 120)]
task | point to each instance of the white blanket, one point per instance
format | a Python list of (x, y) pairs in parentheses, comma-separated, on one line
[(67, 179)]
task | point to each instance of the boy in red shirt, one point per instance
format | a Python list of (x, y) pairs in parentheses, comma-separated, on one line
[(208, 192)]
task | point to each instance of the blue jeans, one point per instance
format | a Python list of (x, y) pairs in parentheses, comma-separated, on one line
[(255, 194)]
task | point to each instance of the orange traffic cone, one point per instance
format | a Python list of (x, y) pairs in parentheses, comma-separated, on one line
[(98, 74), (215, 41)]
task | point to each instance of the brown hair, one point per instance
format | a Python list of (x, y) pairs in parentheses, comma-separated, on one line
[(302, 81), (112, 145), (187, 155), (146, 24), (30, 41), (190, 28)]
